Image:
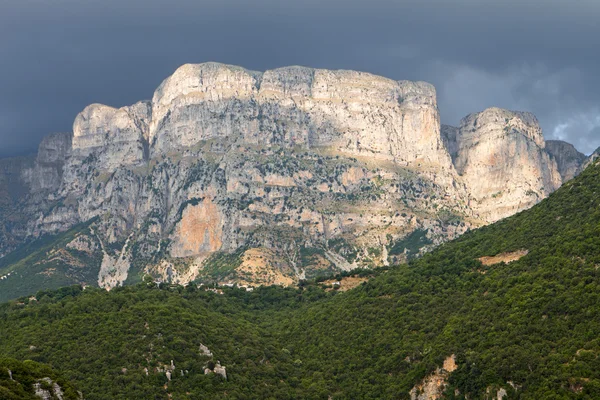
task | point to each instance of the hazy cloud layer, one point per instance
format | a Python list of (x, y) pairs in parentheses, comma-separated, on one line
[(57, 56)]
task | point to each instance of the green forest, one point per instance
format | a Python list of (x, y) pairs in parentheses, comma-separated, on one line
[(531, 326), (20, 380)]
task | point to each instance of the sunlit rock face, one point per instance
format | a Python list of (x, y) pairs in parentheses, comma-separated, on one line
[(503, 162), (296, 106), (276, 176)]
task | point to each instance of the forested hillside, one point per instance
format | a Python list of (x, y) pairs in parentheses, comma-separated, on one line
[(517, 303), (30, 380)]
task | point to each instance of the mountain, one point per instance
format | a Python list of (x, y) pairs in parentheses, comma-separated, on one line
[(502, 158), (507, 311), (570, 162), (231, 175)]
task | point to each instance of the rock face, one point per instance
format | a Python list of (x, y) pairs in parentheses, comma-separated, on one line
[(434, 385), (352, 111), (27, 186), (568, 159), (232, 175), (46, 175), (13, 188), (501, 156), (591, 159)]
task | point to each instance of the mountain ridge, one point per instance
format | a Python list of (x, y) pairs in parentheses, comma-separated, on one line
[(316, 170)]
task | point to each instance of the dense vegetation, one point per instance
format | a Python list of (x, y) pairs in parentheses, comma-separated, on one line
[(103, 341), (532, 324), (18, 381)]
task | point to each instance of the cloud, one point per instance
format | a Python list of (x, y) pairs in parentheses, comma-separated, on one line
[(60, 55), (554, 96), (581, 129)]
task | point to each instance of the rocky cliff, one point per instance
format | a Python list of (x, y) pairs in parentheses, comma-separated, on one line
[(240, 176), (501, 156), (569, 161), (28, 186), (14, 186)]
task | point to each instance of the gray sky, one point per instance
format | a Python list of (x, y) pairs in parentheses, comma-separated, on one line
[(57, 56)]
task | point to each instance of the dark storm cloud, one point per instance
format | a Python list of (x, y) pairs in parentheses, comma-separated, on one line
[(57, 56)]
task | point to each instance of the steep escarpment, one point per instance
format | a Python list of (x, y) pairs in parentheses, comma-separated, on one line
[(324, 170), (501, 157), (27, 187), (47, 172), (13, 188), (321, 170), (569, 161), (354, 112)]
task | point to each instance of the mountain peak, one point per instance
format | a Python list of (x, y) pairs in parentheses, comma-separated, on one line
[(494, 120)]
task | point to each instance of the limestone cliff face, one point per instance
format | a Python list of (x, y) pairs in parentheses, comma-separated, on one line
[(26, 186), (13, 188), (568, 159), (116, 137), (501, 157), (450, 139), (13, 185), (241, 176), (354, 112), (46, 174)]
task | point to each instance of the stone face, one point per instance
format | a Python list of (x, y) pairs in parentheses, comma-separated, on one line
[(450, 138), (115, 137), (14, 187), (502, 159), (356, 112), (434, 385), (200, 230), (220, 370), (283, 175), (568, 159), (52, 155)]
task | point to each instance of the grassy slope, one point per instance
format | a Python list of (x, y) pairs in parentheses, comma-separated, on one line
[(534, 322)]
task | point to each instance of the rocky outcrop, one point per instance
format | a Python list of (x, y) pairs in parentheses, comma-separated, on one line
[(501, 157), (568, 159), (46, 389), (283, 174), (29, 379), (30, 178), (434, 385), (217, 369), (591, 159), (114, 137)]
